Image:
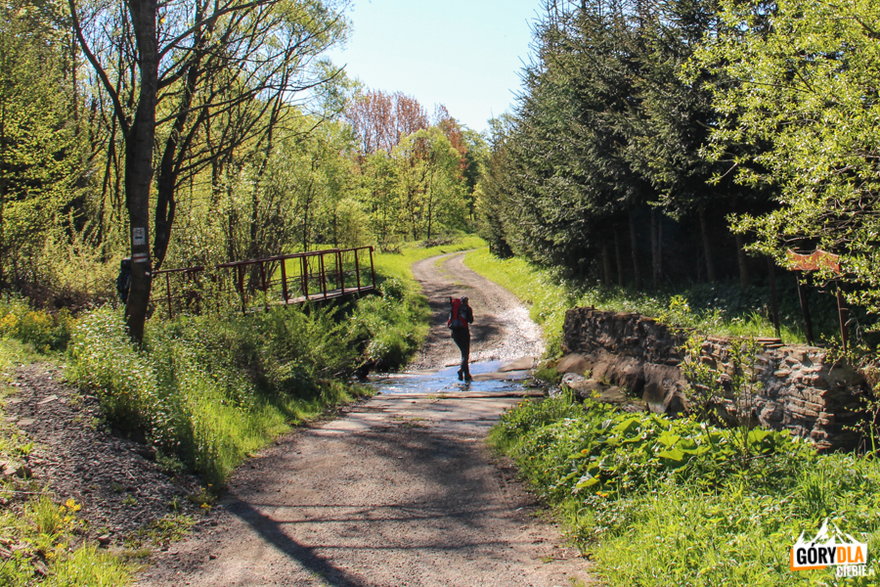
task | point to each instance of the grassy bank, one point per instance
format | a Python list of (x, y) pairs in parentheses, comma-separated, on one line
[(713, 309), (399, 264), (655, 501)]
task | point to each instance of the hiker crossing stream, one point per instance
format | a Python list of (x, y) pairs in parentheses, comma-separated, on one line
[(400, 489)]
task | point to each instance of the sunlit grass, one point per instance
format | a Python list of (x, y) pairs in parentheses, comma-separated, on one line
[(399, 264), (36, 527)]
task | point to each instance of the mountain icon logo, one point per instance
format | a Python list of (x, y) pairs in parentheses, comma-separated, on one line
[(829, 547)]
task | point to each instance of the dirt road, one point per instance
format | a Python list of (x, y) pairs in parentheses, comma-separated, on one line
[(400, 490)]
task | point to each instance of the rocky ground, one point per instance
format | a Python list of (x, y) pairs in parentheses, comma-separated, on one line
[(117, 481)]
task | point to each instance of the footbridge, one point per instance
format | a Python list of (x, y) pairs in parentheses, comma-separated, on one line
[(253, 284)]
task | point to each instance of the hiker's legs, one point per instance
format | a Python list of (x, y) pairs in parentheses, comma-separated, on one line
[(462, 338)]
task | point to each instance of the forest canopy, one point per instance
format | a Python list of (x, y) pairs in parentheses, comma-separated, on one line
[(686, 140), (195, 132)]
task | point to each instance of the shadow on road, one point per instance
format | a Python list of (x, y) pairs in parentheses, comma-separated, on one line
[(271, 532)]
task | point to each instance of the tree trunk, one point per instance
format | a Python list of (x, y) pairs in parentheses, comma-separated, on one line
[(655, 248), (618, 258), (707, 246), (741, 261), (3, 259), (139, 164), (634, 252), (774, 296), (606, 264)]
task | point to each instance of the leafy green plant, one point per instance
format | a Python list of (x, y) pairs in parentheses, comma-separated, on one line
[(659, 501)]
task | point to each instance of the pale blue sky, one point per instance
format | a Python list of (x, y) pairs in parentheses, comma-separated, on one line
[(466, 55)]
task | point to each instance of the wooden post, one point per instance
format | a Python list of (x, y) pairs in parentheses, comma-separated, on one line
[(304, 272), (357, 270), (774, 296), (805, 310), (842, 313), (323, 274), (263, 285), (168, 290), (239, 271), (372, 268), (340, 272)]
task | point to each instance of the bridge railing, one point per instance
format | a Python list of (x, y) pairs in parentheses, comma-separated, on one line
[(282, 279)]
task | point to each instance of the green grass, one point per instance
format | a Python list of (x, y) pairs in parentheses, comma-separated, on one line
[(716, 310), (399, 264), (655, 501), (210, 390)]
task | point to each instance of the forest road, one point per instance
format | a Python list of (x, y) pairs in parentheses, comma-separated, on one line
[(400, 490)]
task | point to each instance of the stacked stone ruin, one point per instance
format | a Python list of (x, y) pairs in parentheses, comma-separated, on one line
[(636, 361)]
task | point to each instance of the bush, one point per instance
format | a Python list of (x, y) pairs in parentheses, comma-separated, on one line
[(43, 330), (389, 327)]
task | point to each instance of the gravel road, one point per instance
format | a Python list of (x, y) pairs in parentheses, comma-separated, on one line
[(400, 490)]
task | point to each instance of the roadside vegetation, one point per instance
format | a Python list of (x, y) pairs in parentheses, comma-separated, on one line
[(660, 501), (716, 309)]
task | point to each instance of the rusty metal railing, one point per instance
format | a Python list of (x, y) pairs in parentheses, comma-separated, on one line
[(185, 296), (283, 279)]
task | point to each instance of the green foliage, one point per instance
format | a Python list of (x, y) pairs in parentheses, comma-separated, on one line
[(212, 390), (711, 309), (656, 501), (390, 325), (600, 169), (42, 330), (43, 536), (39, 154), (793, 81)]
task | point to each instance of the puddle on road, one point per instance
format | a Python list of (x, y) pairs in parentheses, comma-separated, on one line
[(487, 380)]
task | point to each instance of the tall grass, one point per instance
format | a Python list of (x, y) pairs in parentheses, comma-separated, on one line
[(655, 501), (209, 389)]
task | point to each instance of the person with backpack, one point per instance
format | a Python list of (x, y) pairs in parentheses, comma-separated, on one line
[(460, 315)]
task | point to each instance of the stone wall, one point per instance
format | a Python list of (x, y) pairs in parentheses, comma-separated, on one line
[(636, 360)]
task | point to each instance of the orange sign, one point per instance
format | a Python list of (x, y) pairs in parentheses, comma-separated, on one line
[(814, 261)]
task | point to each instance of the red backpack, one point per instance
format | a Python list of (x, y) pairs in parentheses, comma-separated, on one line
[(455, 321)]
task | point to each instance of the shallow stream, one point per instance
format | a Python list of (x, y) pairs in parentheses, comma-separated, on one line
[(488, 378)]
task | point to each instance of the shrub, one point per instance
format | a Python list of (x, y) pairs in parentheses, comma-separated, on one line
[(211, 389), (43, 330)]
